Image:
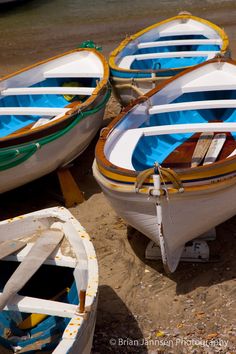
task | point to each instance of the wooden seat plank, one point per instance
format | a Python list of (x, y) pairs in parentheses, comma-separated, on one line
[(194, 105), (48, 91), (182, 129), (128, 60), (29, 111), (179, 42), (64, 74), (35, 305)]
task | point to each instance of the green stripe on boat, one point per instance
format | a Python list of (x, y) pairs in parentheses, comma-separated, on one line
[(11, 157)]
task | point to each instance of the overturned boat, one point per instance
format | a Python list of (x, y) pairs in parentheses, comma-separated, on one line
[(162, 50), (167, 163), (49, 113), (49, 283)]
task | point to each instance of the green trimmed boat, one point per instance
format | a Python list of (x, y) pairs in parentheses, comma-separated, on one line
[(49, 113)]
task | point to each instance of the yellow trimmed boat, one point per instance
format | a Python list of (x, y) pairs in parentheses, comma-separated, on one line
[(162, 50), (157, 169)]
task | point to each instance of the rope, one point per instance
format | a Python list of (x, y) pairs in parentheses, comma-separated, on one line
[(137, 79), (11, 157), (90, 44), (121, 84), (167, 173)]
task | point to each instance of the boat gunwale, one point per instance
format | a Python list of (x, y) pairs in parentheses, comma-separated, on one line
[(125, 186), (109, 170), (68, 117), (126, 41)]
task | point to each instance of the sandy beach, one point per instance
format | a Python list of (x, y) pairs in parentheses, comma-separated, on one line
[(140, 309)]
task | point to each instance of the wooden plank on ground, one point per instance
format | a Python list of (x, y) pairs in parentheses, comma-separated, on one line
[(70, 190)]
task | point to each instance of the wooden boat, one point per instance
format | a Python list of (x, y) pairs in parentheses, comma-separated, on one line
[(144, 158), (49, 113), (162, 50), (52, 307)]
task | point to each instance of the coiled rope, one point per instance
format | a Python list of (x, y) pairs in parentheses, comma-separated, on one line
[(167, 173)]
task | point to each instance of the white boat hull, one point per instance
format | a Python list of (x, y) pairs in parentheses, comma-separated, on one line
[(53, 155), (84, 341), (185, 216)]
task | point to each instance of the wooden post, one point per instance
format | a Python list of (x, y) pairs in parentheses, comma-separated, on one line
[(82, 296), (70, 190)]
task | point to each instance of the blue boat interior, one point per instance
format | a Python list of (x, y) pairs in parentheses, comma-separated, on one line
[(168, 63), (11, 123), (151, 149), (47, 333)]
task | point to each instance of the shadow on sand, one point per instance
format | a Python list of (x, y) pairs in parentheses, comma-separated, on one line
[(190, 276), (114, 322), (45, 192), (20, 5)]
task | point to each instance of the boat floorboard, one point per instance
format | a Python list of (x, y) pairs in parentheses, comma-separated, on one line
[(181, 157)]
